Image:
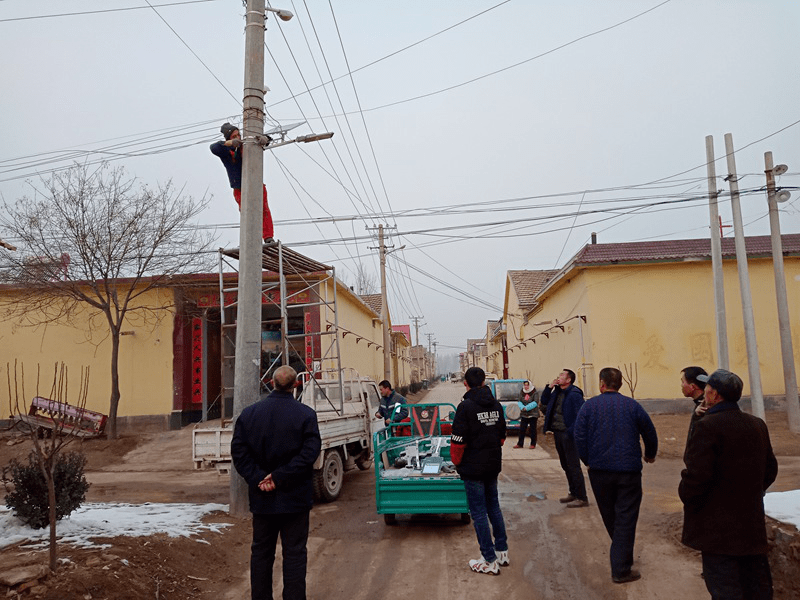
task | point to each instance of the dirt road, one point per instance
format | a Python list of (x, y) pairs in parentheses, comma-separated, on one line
[(556, 553)]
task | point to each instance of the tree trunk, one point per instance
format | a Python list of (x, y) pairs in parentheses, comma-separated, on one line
[(114, 404), (51, 500)]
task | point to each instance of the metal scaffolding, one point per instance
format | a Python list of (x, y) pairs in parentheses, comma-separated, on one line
[(299, 288)]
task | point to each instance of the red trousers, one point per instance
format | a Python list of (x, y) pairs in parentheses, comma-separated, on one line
[(266, 227)]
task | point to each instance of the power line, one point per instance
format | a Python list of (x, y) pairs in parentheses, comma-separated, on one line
[(106, 10), (517, 64), (193, 52)]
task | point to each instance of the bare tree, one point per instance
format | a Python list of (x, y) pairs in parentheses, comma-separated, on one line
[(63, 422), (631, 376), (97, 239), (366, 282)]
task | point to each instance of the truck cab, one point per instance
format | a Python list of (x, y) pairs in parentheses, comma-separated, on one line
[(506, 391)]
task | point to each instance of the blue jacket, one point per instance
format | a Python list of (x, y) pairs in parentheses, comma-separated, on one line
[(573, 400), (277, 435), (607, 433), (232, 159)]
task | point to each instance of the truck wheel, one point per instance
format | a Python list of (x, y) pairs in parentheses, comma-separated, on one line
[(465, 518), (328, 480), (390, 519), (364, 462)]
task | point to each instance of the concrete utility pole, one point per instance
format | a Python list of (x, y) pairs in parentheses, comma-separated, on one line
[(247, 369), (784, 323), (716, 258), (429, 374), (387, 350), (416, 327), (756, 395)]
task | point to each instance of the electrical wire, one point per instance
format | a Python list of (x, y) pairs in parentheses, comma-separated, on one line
[(172, 29), (106, 10)]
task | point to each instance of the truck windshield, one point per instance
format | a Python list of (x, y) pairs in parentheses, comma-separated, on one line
[(507, 391)]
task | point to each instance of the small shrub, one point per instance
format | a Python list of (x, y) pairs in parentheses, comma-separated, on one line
[(403, 391), (416, 386), (28, 499)]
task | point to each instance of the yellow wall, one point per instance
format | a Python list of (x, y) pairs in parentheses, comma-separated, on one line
[(145, 363), (354, 316), (658, 319), (542, 361)]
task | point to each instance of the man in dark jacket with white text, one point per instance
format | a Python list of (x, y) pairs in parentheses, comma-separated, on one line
[(275, 443), (729, 466), (476, 448)]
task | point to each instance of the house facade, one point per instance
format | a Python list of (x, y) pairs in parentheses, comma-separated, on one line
[(175, 354), (648, 309)]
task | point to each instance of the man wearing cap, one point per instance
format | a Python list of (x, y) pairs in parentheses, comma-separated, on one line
[(729, 466), (693, 388), (230, 153)]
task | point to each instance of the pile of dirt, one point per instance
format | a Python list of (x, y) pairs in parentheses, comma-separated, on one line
[(129, 568)]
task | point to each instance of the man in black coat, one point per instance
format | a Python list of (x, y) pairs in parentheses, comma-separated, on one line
[(729, 466), (274, 446), (476, 448), (563, 400)]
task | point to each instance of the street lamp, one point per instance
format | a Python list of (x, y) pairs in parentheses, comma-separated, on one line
[(283, 15), (784, 326)]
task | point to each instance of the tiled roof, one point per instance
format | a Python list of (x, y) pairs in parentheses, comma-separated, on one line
[(374, 301), (529, 283), (677, 250)]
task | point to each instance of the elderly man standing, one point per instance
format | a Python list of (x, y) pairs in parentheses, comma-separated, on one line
[(692, 387), (729, 466), (275, 443), (607, 433)]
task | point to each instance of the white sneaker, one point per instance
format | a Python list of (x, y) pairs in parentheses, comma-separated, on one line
[(502, 558), (481, 566)]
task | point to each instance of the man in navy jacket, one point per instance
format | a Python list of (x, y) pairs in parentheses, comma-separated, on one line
[(274, 446), (563, 400), (607, 433), (230, 153)]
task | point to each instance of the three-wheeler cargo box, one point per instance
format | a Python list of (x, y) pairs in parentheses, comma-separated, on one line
[(413, 471)]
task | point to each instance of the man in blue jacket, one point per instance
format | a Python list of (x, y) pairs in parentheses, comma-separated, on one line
[(476, 448), (274, 446), (607, 433), (563, 400)]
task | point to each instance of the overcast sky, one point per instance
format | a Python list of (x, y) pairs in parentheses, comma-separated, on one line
[(477, 128)]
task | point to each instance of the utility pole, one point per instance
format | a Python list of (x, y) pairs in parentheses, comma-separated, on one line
[(716, 258), (416, 326), (428, 358), (756, 395), (784, 323), (433, 360), (248, 315), (387, 350)]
